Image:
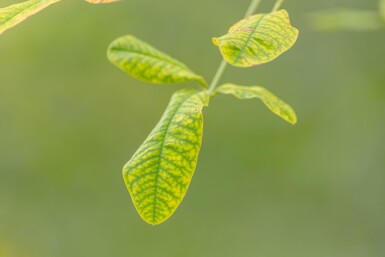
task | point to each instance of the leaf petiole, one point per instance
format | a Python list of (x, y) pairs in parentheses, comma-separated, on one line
[(277, 5), (252, 8)]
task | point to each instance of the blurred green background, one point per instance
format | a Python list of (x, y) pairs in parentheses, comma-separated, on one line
[(69, 120)]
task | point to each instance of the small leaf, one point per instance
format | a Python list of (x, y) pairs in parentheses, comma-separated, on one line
[(272, 102), (345, 19), (160, 172), (12, 15), (144, 62), (257, 39), (102, 1)]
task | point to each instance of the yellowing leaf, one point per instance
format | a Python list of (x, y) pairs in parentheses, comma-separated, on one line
[(160, 172), (272, 102), (102, 1), (257, 39), (12, 15), (144, 62)]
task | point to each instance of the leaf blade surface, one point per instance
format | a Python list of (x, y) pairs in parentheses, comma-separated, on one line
[(272, 102), (257, 39), (14, 14), (160, 172), (142, 61)]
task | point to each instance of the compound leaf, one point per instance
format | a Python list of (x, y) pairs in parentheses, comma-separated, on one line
[(257, 39), (12, 15), (276, 105), (144, 62), (160, 172)]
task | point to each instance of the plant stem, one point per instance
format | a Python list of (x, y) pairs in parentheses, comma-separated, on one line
[(252, 8), (217, 76), (277, 5)]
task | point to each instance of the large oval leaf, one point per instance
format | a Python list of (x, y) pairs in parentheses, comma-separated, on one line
[(276, 105), (12, 15), (144, 62), (159, 173), (257, 39)]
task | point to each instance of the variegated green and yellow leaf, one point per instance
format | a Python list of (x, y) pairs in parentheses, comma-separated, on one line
[(102, 1), (12, 15), (257, 39), (160, 172), (144, 62), (276, 105)]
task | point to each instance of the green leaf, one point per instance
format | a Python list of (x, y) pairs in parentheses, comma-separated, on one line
[(257, 39), (160, 172), (144, 62), (345, 19), (272, 102), (12, 15)]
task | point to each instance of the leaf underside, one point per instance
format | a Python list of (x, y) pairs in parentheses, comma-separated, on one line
[(337, 19), (12, 15), (276, 105), (257, 39), (144, 62), (160, 172)]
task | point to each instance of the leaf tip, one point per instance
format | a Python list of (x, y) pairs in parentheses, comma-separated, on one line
[(293, 120), (215, 41), (290, 116)]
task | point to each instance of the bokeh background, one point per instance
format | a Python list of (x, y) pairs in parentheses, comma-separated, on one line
[(69, 120)]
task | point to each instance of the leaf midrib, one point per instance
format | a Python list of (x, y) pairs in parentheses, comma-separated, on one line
[(169, 60), (248, 40), (161, 154), (29, 7)]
